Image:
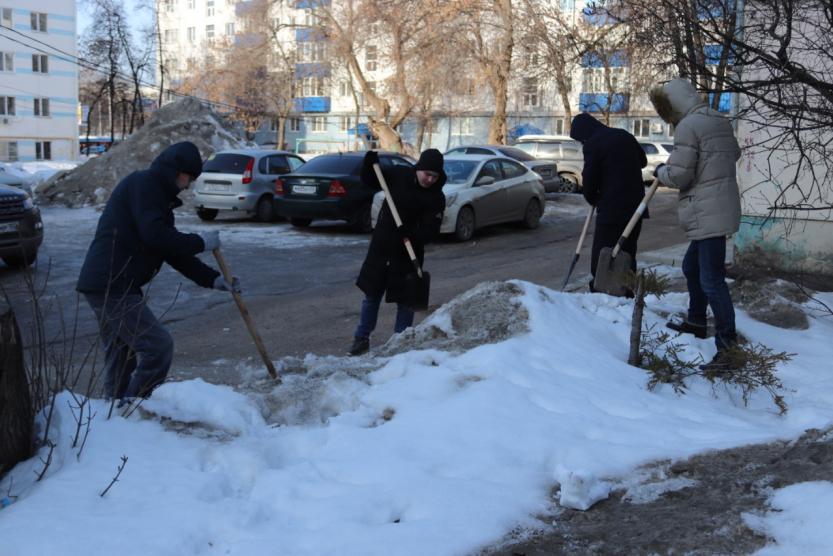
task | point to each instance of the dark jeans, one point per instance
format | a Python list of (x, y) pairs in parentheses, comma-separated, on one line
[(705, 273), (606, 235), (137, 349), (370, 312)]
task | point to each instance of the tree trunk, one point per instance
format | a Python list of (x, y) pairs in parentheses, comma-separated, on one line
[(389, 139), (636, 320), (15, 399)]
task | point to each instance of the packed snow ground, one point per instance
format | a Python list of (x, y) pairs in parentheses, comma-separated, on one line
[(433, 453)]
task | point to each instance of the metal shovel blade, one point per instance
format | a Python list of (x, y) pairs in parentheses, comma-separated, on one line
[(613, 274), (417, 290)]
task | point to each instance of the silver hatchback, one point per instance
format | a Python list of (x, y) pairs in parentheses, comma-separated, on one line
[(242, 180)]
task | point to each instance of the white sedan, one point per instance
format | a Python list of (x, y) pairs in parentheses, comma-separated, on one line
[(483, 190)]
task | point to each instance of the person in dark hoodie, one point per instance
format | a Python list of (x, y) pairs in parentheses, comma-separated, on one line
[(611, 182), (418, 196), (135, 235)]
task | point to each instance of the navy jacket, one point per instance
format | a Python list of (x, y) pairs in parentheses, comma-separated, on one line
[(421, 210), (612, 175), (136, 231)]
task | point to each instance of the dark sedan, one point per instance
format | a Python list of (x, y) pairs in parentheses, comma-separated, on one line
[(21, 229), (329, 187), (547, 169)]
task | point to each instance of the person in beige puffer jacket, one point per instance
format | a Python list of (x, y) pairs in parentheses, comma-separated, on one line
[(703, 167)]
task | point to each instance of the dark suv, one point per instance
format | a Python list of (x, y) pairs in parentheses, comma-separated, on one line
[(329, 187), (21, 229)]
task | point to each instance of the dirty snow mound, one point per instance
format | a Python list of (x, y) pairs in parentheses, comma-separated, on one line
[(185, 120), (488, 313)]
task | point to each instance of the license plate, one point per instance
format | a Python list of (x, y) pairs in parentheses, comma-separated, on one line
[(7, 227), (216, 187), (305, 189)]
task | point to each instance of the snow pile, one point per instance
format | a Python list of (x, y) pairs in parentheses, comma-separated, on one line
[(424, 452), (185, 120)]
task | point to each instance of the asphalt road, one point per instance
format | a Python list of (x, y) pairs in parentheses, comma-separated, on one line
[(298, 284)]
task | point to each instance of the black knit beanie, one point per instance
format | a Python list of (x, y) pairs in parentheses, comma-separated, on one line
[(431, 160)]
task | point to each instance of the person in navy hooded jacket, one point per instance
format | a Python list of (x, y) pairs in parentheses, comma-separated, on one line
[(611, 182), (134, 237)]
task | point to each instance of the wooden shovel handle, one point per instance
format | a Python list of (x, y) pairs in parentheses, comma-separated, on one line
[(224, 268), (396, 218), (635, 218)]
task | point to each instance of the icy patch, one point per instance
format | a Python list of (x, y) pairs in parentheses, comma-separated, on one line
[(646, 493), (580, 489)]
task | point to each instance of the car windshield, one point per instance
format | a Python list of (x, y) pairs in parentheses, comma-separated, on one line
[(526, 147), (226, 163), (459, 171), (332, 164), (668, 146), (516, 153)]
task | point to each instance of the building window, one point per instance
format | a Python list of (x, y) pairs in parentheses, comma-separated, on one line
[(465, 126), (8, 151), (313, 87), (370, 53), (371, 85), (312, 51), (6, 18), (192, 4), (345, 123), (42, 107), (38, 21), (7, 106), (6, 61), (319, 124), (209, 32), (530, 91), (43, 150), (170, 35), (229, 29), (192, 34), (209, 8), (294, 124), (559, 127), (40, 63), (310, 19), (642, 127)]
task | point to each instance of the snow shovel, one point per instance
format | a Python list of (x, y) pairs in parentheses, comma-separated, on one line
[(578, 248), (614, 268), (224, 268), (417, 284)]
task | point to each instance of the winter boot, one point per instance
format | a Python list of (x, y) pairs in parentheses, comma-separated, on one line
[(360, 346), (686, 327), (723, 362)]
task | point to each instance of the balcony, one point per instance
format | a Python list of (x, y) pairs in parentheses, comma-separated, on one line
[(312, 69), (311, 4), (309, 34), (311, 104), (600, 102)]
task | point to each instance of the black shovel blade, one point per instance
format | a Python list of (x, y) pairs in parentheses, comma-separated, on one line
[(417, 290), (613, 275)]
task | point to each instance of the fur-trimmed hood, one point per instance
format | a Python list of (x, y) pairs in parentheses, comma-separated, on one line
[(674, 99)]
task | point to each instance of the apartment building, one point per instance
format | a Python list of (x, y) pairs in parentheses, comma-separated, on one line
[(38, 80), (324, 112)]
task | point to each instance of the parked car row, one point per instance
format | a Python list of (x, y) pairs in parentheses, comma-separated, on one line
[(487, 184)]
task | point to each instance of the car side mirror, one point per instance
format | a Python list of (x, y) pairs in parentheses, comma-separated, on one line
[(485, 180)]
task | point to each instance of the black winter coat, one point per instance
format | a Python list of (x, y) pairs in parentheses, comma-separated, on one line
[(136, 231), (421, 210), (612, 175)]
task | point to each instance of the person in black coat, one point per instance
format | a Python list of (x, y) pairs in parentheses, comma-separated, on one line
[(417, 194), (611, 182), (134, 237)]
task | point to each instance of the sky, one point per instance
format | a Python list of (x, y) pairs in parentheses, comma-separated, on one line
[(425, 452)]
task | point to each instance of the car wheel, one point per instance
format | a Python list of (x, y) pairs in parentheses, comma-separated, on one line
[(207, 214), (464, 228), (20, 261), (300, 222), (532, 215), (362, 221), (265, 209), (569, 183)]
